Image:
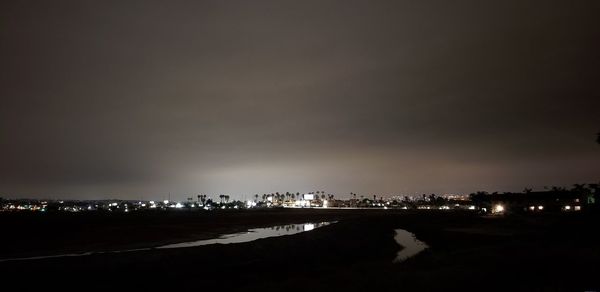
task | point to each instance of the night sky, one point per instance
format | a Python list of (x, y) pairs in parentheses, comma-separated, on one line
[(136, 99)]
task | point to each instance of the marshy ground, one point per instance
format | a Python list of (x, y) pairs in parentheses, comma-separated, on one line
[(466, 251)]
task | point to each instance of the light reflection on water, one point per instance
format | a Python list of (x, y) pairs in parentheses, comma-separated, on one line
[(411, 246), (251, 235)]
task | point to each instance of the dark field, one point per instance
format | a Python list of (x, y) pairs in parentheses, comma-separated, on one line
[(467, 252)]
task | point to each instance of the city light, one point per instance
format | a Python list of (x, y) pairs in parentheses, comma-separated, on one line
[(498, 209), (308, 200)]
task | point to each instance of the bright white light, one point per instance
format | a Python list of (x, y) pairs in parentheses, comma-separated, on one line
[(540, 207), (166, 202), (567, 207), (178, 205), (531, 208), (471, 207), (302, 203), (325, 204), (309, 227), (270, 199), (499, 209), (151, 202), (577, 208), (309, 197)]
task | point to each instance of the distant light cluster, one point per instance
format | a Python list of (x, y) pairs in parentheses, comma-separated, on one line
[(495, 204)]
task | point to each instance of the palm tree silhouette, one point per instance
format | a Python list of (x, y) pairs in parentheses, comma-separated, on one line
[(202, 198)]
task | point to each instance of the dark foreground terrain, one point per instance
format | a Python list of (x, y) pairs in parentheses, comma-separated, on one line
[(467, 252)]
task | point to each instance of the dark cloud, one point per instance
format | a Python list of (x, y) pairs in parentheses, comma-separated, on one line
[(105, 98)]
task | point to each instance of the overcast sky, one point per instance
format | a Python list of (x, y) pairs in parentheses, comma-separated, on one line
[(136, 99)]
